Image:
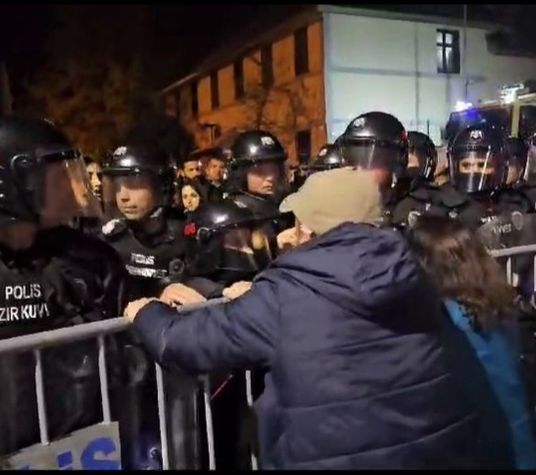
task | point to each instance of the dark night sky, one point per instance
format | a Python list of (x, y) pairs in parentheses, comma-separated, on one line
[(188, 32)]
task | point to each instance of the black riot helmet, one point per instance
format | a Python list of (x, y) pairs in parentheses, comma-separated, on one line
[(328, 157), (477, 159), (422, 156), (517, 151), (260, 154), (375, 140), (225, 242), (139, 164), (43, 178)]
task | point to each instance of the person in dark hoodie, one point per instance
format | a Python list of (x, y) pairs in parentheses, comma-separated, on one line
[(357, 377)]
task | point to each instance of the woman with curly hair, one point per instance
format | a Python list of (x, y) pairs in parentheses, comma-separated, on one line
[(482, 332)]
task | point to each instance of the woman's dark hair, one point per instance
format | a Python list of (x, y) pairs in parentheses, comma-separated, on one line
[(199, 188), (462, 269)]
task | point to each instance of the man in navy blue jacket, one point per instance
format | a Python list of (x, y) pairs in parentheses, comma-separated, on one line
[(349, 329)]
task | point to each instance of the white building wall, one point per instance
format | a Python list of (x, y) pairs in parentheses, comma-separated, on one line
[(390, 65)]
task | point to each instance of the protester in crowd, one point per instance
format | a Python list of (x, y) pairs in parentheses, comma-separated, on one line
[(190, 168), (193, 194), (91, 225), (214, 171), (480, 305), (94, 171), (349, 328)]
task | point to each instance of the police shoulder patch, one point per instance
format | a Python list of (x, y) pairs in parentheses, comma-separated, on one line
[(113, 226)]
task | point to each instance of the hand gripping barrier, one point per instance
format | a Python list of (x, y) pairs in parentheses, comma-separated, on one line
[(99, 330)]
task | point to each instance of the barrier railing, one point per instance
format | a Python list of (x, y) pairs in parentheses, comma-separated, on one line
[(511, 252), (99, 330)]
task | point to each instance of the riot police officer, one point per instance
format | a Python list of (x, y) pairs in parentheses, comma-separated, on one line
[(328, 157), (424, 196), (259, 180), (50, 276), (226, 244), (515, 193), (477, 164), (139, 181), (377, 141)]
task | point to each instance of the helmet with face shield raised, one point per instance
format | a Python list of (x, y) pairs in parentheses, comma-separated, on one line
[(138, 180), (258, 165), (43, 178)]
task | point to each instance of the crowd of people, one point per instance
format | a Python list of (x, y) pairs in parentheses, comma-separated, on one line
[(381, 332)]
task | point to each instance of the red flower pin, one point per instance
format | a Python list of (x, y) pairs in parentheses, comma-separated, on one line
[(190, 229)]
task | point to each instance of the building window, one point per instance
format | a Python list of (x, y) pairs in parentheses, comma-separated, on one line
[(448, 51), (238, 69), (303, 145), (301, 52), (214, 93), (267, 66), (193, 94)]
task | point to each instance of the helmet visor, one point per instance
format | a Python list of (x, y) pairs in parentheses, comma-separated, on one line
[(239, 251), (475, 170), (66, 191), (370, 154)]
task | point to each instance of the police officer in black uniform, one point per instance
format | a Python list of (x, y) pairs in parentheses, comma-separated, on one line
[(477, 164), (226, 244), (139, 181), (424, 196), (377, 142), (422, 162), (515, 194), (258, 179), (50, 276), (328, 158)]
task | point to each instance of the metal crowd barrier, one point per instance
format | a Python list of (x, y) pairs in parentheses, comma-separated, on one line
[(38, 341), (509, 253)]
